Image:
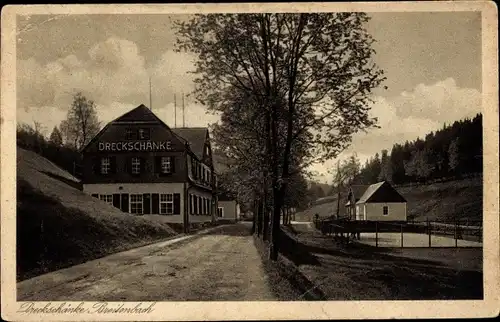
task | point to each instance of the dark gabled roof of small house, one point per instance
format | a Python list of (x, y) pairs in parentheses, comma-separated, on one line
[(381, 192), (358, 190), (223, 195), (195, 136)]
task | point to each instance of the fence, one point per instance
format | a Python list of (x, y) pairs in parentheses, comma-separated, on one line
[(404, 234)]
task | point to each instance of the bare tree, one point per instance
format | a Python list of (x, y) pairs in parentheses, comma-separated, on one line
[(81, 123)]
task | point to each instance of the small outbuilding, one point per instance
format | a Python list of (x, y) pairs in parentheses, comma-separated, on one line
[(378, 202)]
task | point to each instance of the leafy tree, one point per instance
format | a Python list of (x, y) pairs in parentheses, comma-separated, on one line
[(344, 175), (81, 123), (454, 156), (56, 137), (311, 75), (385, 168)]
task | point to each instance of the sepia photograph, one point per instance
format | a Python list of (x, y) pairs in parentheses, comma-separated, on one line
[(214, 162)]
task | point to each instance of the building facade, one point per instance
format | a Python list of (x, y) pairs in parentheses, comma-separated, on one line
[(141, 166), (377, 202)]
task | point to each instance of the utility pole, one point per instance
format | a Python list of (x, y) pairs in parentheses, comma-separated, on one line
[(150, 99), (175, 111), (183, 119)]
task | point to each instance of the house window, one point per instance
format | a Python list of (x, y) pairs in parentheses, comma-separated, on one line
[(130, 134), (136, 165), (200, 210), (166, 164), (105, 165), (195, 205), (220, 212), (143, 134), (385, 210), (166, 204), (107, 198), (136, 204)]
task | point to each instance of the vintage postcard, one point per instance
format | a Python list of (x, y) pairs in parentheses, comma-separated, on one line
[(249, 161)]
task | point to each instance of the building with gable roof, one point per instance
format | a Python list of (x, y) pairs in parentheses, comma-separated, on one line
[(378, 202), (142, 166)]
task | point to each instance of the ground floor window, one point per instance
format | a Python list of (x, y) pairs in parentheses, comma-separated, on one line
[(166, 204), (385, 210), (220, 212), (136, 204), (107, 198)]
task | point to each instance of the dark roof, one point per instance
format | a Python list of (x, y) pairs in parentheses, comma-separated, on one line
[(358, 191), (195, 136), (381, 192), (224, 195), (140, 113)]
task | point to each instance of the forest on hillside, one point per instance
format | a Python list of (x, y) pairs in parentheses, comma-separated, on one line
[(453, 151)]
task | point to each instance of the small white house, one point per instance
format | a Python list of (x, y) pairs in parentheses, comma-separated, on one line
[(227, 208), (378, 202)]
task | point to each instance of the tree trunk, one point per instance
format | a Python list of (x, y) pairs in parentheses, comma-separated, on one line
[(254, 219), (259, 218), (338, 203), (265, 233), (275, 225)]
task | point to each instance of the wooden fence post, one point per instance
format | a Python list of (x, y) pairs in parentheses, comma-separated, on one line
[(429, 231), (401, 235)]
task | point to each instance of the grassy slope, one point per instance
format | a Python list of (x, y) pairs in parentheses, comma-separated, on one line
[(59, 225), (437, 201), (359, 272)]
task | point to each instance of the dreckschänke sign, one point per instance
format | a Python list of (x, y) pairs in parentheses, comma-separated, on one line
[(135, 146)]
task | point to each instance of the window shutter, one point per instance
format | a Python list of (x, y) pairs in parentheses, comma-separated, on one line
[(146, 203), (124, 202), (96, 165), (116, 200), (155, 203), (113, 164), (158, 164), (128, 165), (172, 164), (177, 203), (143, 165)]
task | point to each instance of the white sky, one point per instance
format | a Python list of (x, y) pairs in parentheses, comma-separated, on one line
[(432, 62)]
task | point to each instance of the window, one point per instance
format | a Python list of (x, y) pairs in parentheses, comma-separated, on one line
[(136, 165), (220, 212), (200, 210), (191, 204), (129, 134), (167, 204), (166, 164), (105, 165), (385, 210), (195, 205), (143, 134), (136, 204), (107, 198)]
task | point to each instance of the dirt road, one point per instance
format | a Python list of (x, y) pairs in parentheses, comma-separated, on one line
[(222, 265)]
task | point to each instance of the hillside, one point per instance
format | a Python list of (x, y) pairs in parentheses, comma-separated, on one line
[(58, 225), (436, 201)]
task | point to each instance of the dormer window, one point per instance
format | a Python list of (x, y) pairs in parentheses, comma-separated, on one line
[(143, 134), (129, 134)]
